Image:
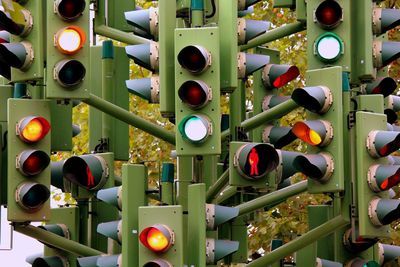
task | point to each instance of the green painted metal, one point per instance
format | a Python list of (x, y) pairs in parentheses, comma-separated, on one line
[(226, 194), (167, 183), (68, 216), (101, 212), (217, 186), (120, 35), (118, 132), (209, 39), (332, 80), (54, 24), (171, 216), (300, 242), (17, 110), (271, 114), (130, 216), (259, 90), (306, 256), (62, 123), (167, 21), (56, 241), (366, 122), (196, 235), (274, 35), (110, 13), (318, 215), (129, 118), (6, 92), (314, 31), (237, 112), (272, 198), (37, 39), (229, 50)]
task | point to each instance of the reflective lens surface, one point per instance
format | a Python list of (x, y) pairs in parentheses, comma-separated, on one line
[(329, 48), (196, 129)]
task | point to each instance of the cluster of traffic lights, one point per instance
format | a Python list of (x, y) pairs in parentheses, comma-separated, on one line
[(31, 162)]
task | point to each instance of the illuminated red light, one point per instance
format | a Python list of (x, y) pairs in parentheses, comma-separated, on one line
[(33, 162), (158, 238), (194, 93), (285, 78), (329, 14)]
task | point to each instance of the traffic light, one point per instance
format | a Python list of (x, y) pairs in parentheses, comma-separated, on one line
[(392, 106), (67, 49), (65, 223), (160, 236), (87, 171), (381, 85), (249, 163), (374, 176), (145, 22), (197, 97), (28, 160), (369, 49), (328, 34), (322, 130), (358, 262), (25, 51)]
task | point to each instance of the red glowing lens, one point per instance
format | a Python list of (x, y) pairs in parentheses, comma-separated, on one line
[(194, 94), (285, 78), (329, 14)]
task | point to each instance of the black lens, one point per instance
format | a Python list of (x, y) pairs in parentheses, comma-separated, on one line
[(36, 196), (70, 72), (193, 58), (329, 14), (71, 9)]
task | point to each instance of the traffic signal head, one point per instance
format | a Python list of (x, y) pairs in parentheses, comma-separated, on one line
[(250, 29), (359, 244), (382, 143), (286, 167), (111, 230), (87, 171), (158, 238), (383, 177), (217, 215), (21, 26), (381, 85), (385, 20), (194, 58), (384, 53), (383, 211), (197, 94), (112, 196), (358, 262), (145, 21), (146, 88), (276, 76), (329, 14), (317, 99), (392, 107), (316, 166), (278, 136), (316, 133), (218, 249), (68, 49), (145, 55), (249, 63), (254, 161), (69, 9), (28, 160), (52, 261)]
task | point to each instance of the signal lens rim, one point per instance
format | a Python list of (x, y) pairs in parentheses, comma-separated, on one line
[(329, 47), (64, 37), (76, 6)]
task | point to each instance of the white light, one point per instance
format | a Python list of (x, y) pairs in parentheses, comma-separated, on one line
[(70, 40), (196, 129), (329, 47)]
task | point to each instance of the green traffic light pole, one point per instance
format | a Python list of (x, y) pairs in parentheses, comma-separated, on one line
[(107, 64), (274, 34), (120, 36), (300, 242), (266, 116), (272, 198), (217, 186), (57, 241), (129, 118)]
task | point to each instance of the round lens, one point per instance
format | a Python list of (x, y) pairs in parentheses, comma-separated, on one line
[(194, 58), (35, 163), (329, 48), (157, 240), (70, 72), (196, 129), (70, 9), (34, 130), (194, 94), (329, 14), (70, 40)]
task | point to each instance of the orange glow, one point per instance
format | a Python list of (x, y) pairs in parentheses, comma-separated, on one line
[(34, 130), (302, 131), (157, 240), (70, 40)]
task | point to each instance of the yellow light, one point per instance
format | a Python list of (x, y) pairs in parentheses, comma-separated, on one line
[(70, 40), (302, 131), (157, 240), (33, 131)]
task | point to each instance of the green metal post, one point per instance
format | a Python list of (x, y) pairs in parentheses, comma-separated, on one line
[(196, 226), (134, 185), (217, 186), (300, 242), (120, 36), (84, 222), (272, 198), (107, 87), (56, 240), (131, 119), (237, 110), (197, 13), (274, 35), (226, 194), (271, 114)]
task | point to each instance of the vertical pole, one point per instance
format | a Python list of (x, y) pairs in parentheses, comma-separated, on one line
[(197, 13), (84, 222), (107, 87), (134, 185), (237, 110), (167, 183)]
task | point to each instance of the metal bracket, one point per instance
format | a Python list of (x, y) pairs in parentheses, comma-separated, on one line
[(103, 146), (351, 119)]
